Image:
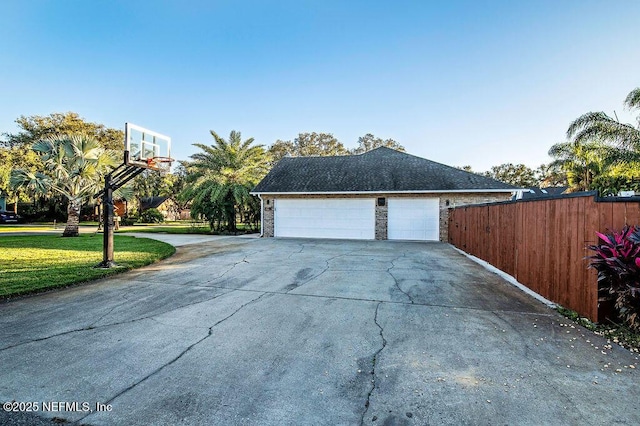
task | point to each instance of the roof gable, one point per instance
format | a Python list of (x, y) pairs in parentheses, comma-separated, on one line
[(379, 170), (151, 202)]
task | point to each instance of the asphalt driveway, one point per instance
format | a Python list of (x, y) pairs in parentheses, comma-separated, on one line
[(277, 332)]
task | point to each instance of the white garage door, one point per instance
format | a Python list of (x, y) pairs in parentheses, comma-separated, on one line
[(325, 218), (414, 219)]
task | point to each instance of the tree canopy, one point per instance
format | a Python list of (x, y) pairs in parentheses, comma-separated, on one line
[(37, 127), (600, 152), (16, 152), (220, 178), (325, 144), (551, 175), (369, 142), (306, 145), (11, 159), (73, 166), (514, 174), (581, 162)]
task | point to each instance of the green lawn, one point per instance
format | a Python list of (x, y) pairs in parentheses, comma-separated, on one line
[(176, 228), (29, 264), (167, 229), (28, 228)]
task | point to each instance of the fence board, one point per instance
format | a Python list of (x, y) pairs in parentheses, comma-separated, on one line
[(565, 270), (543, 243), (550, 255), (509, 243), (618, 214), (539, 247), (493, 230), (633, 213), (606, 217), (520, 235), (581, 297)]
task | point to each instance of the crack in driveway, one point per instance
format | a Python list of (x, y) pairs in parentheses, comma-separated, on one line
[(167, 364), (296, 252), (244, 260), (94, 327), (117, 305), (327, 267), (362, 299), (374, 361), (393, 265)]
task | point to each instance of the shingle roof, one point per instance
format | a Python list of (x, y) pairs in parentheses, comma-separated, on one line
[(379, 170), (151, 202), (536, 192)]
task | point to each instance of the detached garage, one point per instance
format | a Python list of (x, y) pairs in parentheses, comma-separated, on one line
[(381, 194)]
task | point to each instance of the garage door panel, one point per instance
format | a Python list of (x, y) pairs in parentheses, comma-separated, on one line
[(325, 218), (414, 219)]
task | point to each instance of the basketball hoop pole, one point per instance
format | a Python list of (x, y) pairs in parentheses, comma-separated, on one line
[(114, 180), (108, 222)]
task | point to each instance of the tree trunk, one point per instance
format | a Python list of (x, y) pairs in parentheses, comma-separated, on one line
[(232, 220), (73, 219)]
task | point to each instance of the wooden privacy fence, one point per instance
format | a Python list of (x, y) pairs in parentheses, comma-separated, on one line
[(543, 243)]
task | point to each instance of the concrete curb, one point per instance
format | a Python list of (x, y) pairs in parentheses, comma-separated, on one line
[(509, 278)]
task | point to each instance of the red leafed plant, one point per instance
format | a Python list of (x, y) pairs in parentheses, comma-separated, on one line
[(617, 260)]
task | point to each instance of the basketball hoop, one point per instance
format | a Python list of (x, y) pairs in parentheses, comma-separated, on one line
[(144, 149), (160, 164)]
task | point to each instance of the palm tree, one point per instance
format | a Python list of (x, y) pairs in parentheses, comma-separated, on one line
[(221, 177), (598, 126), (599, 146), (581, 162), (74, 167)]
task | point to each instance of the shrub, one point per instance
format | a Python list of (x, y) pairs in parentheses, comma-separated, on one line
[(128, 220), (151, 216), (617, 260)]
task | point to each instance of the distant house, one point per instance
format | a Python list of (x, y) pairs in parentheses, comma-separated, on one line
[(381, 194), (151, 203), (166, 206)]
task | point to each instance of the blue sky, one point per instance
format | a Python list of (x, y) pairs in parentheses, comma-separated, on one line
[(475, 83)]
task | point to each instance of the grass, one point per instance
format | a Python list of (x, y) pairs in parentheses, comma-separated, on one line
[(166, 229), (614, 333), (26, 228), (179, 228), (160, 228), (30, 264)]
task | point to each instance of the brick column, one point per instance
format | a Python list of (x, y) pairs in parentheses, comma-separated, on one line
[(381, 220)]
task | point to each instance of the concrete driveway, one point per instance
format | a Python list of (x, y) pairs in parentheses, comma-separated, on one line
[(297, 332)]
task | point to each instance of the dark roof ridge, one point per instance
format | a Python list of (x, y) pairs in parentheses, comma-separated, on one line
[(319, 156)]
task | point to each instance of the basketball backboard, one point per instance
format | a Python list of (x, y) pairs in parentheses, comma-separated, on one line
[(146, 148)]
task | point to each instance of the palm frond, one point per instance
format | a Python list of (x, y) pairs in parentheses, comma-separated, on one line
[(37, 183), (560, 150), (586, 121), (633, 99)]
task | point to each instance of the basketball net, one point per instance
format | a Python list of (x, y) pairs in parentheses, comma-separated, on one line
[(160, 164)]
